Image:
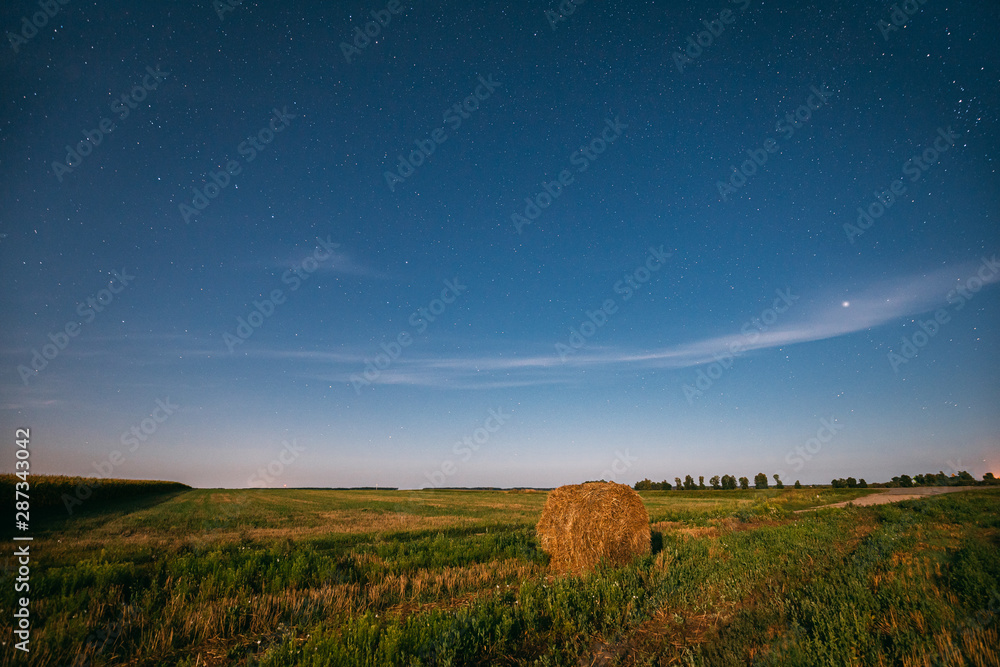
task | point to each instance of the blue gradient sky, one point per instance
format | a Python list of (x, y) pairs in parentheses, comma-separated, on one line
[(616, 405)]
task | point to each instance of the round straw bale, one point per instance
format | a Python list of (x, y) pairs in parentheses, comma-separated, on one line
[(583, 523)]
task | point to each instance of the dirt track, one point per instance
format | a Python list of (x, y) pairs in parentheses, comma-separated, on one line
[(883, 496)]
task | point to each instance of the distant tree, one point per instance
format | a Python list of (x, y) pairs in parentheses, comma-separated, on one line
[(665, 485), (942, 479), (678, 484), (760, 481), (862, 484), (798, 484), (988, 478), (701, 482), (839, 483), (918, 480), (965, 479), (778, 484), (714, 482), (644, 485), (744, 483), (905, 481), (852, 483), (689, 484)]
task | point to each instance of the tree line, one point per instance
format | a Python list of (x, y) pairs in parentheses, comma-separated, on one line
[(760, 481), (961, 478), (724, 483)]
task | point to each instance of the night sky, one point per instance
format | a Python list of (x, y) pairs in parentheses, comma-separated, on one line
[(248, 244)]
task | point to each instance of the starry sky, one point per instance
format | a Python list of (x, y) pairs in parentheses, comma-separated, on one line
[(442, 244)]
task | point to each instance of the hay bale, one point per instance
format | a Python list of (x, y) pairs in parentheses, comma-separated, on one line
[(583, 523)]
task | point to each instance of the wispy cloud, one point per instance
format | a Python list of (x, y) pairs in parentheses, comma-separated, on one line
[(814, 317), (819, 317)]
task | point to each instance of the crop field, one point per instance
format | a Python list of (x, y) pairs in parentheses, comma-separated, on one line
[(179, 576)]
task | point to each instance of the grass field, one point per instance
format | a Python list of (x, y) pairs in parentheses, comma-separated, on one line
[(312, 577)]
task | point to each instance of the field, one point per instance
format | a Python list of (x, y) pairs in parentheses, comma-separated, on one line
[(315, 577)]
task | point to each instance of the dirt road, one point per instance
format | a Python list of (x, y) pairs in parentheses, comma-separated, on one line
[(883, 496)]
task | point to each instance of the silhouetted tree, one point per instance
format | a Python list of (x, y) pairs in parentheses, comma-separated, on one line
[(778, 484), (905, 481), (852, 483), (798, 484), (714, 482), (689, 484), (665, 485), (701, 482), (644, 485), (744, 483), (677, 481), (862, 484), (760, 481), (988, 478)]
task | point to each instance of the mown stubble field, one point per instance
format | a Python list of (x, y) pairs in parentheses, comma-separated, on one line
[(317, 577)]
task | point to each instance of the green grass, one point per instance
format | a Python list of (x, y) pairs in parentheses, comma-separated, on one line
[(311, 577)]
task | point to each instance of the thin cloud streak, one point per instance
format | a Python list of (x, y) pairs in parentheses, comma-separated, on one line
[(818, 320)]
